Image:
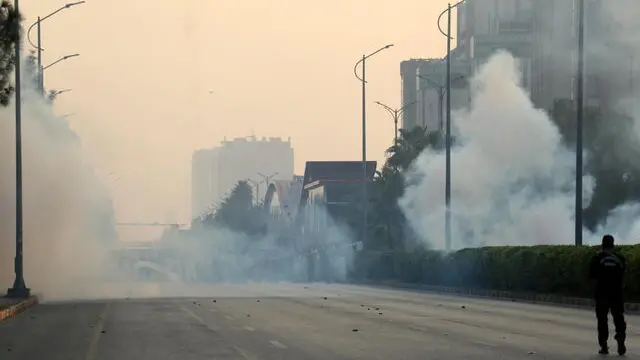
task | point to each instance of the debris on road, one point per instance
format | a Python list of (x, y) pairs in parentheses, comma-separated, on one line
[(463, 307), (355, 330)]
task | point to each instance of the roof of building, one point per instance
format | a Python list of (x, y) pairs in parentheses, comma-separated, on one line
[(336, 170)]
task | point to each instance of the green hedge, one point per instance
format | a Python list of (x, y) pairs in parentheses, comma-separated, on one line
[(558, 270)]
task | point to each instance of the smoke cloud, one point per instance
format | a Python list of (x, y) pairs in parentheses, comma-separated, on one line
[(65, 207), (512, 177)]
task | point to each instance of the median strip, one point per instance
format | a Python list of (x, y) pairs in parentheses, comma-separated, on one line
[(9, 309)]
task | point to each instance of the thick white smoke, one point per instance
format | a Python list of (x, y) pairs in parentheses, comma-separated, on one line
[(65, 206), (512, 178)]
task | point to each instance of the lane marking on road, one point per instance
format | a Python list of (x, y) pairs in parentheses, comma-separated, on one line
[(479, 342), (249, 328), (228, 317), (97, 332), (240, 351), (278, 344)]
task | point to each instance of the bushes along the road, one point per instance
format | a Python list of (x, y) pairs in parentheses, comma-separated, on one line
[(558, 270)]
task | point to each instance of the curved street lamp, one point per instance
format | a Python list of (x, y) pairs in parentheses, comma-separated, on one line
[(58, 92), (442, 91), (59, 60), (395, 113), (39, 45), (364, 136), (447, 191)]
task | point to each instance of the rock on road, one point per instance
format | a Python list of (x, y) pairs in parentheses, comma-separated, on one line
[(297, 321)]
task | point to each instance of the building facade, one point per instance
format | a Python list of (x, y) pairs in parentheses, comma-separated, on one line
[(216, 171), (252, 159)]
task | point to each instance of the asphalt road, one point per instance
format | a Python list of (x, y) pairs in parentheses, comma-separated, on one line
[(300, 322)]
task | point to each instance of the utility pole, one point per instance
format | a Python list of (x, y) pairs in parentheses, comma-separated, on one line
[(365, 199), (257, 186), (447, 191), (40, 71), (579, 125), (19, 289)]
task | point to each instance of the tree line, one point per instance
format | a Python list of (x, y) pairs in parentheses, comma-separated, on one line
[(610, 161)]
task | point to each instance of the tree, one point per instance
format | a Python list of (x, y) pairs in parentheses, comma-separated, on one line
[(9, 37), (410, 144), (388, 221), (237, 212)]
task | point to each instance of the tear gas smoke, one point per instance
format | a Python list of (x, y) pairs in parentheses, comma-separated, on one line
[(69, 238), (64, 204), (512, 177)]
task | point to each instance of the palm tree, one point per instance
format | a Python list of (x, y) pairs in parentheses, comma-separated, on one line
[(387, 217), (410, 144)]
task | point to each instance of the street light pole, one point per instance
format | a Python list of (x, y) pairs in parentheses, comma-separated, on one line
[(257, 186), (579, 125), (447, 191), (58, 92), (267, 179), (40, 83), (395, 113), (50, 65), (19, 289), (39, 45), (59, 60), (441, 90), (363, 80)]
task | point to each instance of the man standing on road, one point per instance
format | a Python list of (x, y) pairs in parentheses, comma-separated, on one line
[(607, 269)]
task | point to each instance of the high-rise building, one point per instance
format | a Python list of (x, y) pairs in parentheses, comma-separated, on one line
[(216, 171), (252, 159), (408, 71)]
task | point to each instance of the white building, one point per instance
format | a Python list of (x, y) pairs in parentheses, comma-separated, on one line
[(216, 171)]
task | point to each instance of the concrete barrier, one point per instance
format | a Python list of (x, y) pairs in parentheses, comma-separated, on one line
[(16, 308)]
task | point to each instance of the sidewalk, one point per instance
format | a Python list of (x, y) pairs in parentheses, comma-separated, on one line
[(11, 307)]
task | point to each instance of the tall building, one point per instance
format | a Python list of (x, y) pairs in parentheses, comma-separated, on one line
[(204, 181), (216, 171), (250, 159), (408, 71)]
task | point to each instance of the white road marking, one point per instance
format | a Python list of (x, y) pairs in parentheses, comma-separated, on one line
[(278, 344), (249, 328), (93, 344), (228, 317), (242, 352)]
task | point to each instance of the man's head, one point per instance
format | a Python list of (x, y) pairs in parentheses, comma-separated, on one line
[(607, 242)]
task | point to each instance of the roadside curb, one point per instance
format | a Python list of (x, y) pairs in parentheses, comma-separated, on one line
[(504, 295), (15, 309)]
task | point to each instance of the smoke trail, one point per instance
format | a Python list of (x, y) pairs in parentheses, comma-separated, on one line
[(65, 206), (512, 178)]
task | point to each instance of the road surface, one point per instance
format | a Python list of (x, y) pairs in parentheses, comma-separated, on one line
[(299, 322)]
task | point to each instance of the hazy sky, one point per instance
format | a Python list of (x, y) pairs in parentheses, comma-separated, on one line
[(277, 68)]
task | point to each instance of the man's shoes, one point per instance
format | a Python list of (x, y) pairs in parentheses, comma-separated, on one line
[(622, 348), (604, 350)]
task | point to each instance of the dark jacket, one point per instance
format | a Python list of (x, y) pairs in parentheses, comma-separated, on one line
[(607, 269)]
